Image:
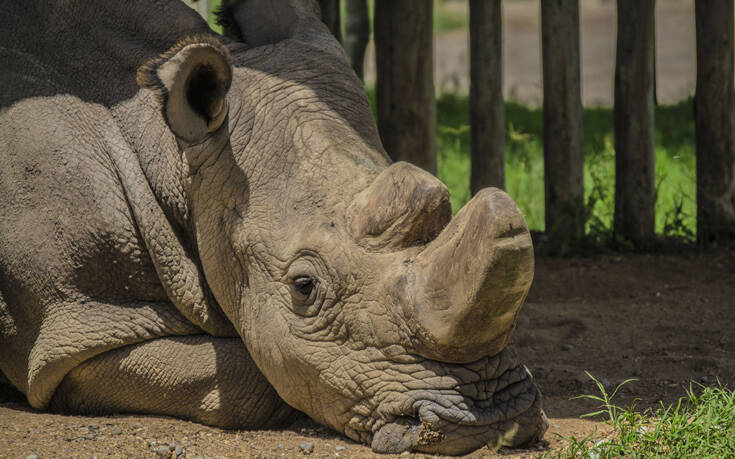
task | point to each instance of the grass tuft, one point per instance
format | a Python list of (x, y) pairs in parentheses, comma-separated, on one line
[(700, 425)]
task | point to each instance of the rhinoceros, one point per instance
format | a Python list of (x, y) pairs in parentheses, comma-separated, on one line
[(207, 226)]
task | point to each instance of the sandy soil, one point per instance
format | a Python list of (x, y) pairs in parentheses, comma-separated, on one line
[(522, 81), (666, 320)]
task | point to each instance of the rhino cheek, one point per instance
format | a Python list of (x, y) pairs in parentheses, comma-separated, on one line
[(291, 366)]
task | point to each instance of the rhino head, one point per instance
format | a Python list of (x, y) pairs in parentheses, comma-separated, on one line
[(359, 297)]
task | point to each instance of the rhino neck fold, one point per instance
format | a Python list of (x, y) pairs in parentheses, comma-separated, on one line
[(218, 193), (175, 264)]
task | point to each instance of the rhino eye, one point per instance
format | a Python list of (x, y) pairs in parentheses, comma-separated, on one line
[(304, 286)]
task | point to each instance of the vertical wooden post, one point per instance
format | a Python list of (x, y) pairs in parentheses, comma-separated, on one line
[(357, 33), (331, 17), (713, 120), (635, 191), (404, 55), (487, 111), (563, 149), (654, 71)]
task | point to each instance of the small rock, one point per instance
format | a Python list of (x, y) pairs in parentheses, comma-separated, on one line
[(178, 450), (93, 427), (163, 452), (566, 347), (115, 430), (704, 379), (137, 425), (32, 456), (340, 448), (306, 447), (280, 446)]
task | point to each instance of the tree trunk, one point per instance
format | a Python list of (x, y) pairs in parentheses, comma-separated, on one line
[(357, 33), (487, 112), (563, 154), (713, 119), (330, 16), (635, 191), (405, 88)]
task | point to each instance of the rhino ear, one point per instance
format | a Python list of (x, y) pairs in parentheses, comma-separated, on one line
[(190, 82)]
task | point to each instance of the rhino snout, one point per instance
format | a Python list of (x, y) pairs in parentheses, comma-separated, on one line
[(493, 402)]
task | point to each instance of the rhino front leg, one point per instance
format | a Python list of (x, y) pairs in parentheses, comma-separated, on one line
[(209, 380)]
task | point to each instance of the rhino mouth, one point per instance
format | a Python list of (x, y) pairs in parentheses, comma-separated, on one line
[(494, 405)]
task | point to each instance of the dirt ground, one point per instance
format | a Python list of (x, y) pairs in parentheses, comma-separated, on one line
[(666, 320)]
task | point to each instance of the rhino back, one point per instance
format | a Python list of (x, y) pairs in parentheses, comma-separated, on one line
[(89, 49)]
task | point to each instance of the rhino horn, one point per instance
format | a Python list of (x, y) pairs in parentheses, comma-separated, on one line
[(403, 206), (465, 289)]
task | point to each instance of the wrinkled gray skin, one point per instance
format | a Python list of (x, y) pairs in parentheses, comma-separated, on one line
[(147, 232)]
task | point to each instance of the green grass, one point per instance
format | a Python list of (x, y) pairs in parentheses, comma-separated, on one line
[(214, 6), (700, 425), (675, 173)]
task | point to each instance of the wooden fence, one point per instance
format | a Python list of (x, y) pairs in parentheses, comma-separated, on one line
[(407, 115)]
